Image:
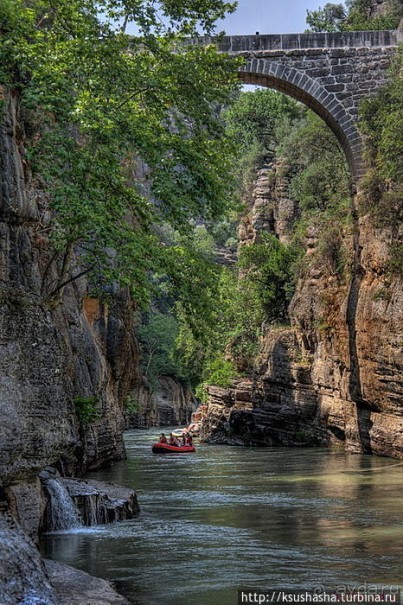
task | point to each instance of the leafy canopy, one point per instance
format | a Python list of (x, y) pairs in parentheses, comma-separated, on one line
[(330, 18), (382, 123), (319, 175), (158, 335), (358, 16), (254, 117), (123, 132)]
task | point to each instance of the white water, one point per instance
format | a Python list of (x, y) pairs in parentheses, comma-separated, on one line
[(63, 512)]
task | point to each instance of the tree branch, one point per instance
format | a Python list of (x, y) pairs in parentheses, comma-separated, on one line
[(71, 279)]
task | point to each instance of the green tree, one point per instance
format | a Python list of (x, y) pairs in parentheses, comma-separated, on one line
[(204, 351), (330, 18), (203, 242), (382, 123), (252, 122), (360, 17), (254, 116), (157, 338), (99, 104), (319, 181), (319, 177), (269, 272), (357, 17)]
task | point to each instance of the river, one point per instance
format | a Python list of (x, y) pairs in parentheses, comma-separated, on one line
[(229, 517)]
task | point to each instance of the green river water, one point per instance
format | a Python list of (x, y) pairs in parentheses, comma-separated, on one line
[(230, 517)]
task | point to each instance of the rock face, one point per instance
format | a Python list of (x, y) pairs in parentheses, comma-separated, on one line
[(270, 210), (23, 577), (52, 356), (170, 403), (335, 377), (378, 7), (57, 354)]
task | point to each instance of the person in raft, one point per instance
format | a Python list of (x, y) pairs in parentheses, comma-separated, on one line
[(173, 440), (187, 439), (163, 439)]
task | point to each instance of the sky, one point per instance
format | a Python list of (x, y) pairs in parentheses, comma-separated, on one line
[(269, 16)]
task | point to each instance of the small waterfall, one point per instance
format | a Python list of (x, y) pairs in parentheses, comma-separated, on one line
[(93, 509), (62, 511), (78, 502)]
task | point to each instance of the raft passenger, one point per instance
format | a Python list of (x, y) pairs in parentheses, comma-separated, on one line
[(173, 440)]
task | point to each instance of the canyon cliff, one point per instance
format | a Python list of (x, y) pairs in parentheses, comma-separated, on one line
[(169, 403), (69, 368), (67, 363), (335, 375), (54, 356)]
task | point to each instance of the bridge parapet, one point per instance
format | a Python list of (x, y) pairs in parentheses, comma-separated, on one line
[(283, 42)]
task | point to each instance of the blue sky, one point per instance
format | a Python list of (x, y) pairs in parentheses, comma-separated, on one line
[(265, 17), (269, 16)]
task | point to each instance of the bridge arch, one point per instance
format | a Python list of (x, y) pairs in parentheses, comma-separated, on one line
[(308, 91), (329, 72)]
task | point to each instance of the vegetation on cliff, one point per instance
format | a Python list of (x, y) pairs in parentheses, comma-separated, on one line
[(122, 134), (269, 127), (144, 171), (382, 123), (358, 16), (254, 296)]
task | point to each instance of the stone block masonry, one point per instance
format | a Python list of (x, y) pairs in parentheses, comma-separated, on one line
[(329, 72)]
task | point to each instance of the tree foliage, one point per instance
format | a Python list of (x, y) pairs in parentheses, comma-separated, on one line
[(123, 134), (360, 17), (269, 273), (254, 117), (357, 17), (319, 175), (158, 334), (382, 123), (252, 122), (240, 309), (246, 300), (330, 18)]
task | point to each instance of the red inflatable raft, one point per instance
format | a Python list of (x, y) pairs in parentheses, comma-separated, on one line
[(164, 448)]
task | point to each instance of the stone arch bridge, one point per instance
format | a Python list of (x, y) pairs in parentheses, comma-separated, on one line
[(329, 72)]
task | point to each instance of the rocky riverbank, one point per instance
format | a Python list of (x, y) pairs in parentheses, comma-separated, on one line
[(74, 587), (26, 579)]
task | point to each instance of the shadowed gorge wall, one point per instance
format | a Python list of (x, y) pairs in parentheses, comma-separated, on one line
[(52, 357)]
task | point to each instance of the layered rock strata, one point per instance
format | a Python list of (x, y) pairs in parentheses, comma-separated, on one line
[(53, 354), (169, 404), (58, 353), (335, 376), (269, 208)]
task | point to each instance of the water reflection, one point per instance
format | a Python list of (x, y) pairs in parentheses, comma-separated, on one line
[(230, 517)]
